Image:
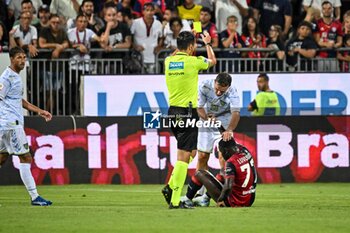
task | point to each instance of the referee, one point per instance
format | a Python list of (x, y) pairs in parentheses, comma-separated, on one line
[(181, 73)]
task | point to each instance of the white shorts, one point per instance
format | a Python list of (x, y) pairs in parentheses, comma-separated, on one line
[(14, 141), (206, 139)]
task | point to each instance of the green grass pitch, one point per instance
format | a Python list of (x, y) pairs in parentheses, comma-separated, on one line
[(141, 208)]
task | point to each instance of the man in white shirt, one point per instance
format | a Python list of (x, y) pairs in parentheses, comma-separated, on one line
[(25, 35), (148, 39), (80, 38)]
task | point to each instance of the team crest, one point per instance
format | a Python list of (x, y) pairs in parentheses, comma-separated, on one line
[(1, 86)]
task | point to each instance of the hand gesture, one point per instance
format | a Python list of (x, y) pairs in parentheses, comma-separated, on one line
[(46, 115), (33, 52), (206, 37), (227, 135)]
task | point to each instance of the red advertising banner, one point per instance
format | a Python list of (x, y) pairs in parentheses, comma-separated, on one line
[(117, 150)]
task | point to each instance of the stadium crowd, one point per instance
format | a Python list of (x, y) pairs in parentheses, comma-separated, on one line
[(288, 28)]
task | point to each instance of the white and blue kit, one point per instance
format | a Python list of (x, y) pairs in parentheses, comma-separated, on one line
[(219, 106), (12, 136)]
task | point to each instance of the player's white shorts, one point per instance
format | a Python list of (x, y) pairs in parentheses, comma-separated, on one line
[(207, 138), (13, 141)]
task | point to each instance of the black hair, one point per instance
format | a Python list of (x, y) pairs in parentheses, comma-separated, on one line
[(224, 79), (327, 2), (306, 24), (126, 12), (26, 1), (245, 29), (227, 148), (175, 19), (14, 51), (264, 76), (206, 9), (184, 40), (85, 1), (346, 38), (53, 16), (80, 15), (147, 4)]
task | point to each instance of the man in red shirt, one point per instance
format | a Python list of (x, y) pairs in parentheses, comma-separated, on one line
[(329, 35), (240, 177)]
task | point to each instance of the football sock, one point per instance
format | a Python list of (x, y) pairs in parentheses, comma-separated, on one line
[(177, 181), (193, 187), (28, 180)]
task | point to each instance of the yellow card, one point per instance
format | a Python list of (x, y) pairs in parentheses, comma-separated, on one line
[(197, 26)]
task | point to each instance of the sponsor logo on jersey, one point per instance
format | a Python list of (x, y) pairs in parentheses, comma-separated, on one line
[(176, 65)]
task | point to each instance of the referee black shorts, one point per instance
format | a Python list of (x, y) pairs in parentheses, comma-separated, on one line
[(186, 136)]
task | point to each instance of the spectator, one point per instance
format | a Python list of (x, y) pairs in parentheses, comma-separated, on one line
[(346, 22), (15, 7), (125, 16), (273, 12), (344, 56), (25, 35), (27, 5), (65, 9), (115, 34), (317, 4), (3, 37), (302, 45), (94, 22), (189, 11), (147, 33), (274, 41), (329, 36), (159, 5), (176, 27), (207, 26), (53, 37), (80, 38), (133, 5), (173, 13), (253, 38), (225, 8), (43, 15), (4, 18), (230, 39)]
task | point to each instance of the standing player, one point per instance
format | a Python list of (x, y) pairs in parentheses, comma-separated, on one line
[(266, 101), (240, 177), (13, 140), (218, 100), (181, 72)]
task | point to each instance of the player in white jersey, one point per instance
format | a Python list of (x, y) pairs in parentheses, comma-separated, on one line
[(217, 101), (13, 140)]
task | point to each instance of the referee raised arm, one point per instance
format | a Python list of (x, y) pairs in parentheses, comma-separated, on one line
[(181, 73)]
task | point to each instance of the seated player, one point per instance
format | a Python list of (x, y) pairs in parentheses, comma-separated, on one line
[(238, 189)]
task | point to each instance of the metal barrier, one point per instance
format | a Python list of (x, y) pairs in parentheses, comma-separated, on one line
[(263, 64), (54, 84)]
